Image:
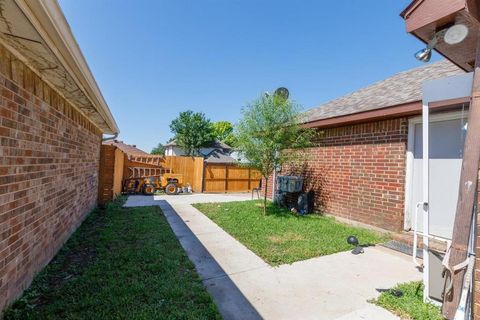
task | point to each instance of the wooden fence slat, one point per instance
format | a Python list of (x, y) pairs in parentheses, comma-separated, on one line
[(230, 178)]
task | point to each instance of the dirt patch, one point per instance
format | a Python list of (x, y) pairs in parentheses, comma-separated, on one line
[(71, 261), (84, 254), (287, 237)]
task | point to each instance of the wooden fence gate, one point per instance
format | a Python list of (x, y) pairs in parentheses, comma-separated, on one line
[(229, 178)]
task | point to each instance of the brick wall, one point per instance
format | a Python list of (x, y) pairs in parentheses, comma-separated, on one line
[(49, 155), (358, 172), (106, 174)]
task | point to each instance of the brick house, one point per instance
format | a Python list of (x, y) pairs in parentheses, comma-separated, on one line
[(359, 167), (52, 117)]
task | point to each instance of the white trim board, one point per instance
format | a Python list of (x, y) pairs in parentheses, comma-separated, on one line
[(444, 89)]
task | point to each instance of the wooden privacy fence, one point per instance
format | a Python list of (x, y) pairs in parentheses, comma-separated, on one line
[(119, 163), (110, 173), (190, 167), (229, 178)]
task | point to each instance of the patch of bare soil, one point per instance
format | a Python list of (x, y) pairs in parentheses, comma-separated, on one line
[(286, 237)]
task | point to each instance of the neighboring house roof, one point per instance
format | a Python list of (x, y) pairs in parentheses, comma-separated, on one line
[(402, 88), (218, 156), (38, 33), (172, 143), (220, 145), (128, 149), (215, 144)]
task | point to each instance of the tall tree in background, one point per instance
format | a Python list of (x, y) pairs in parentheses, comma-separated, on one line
[(223, 131), (267, 132), (158, 150), (192, 131)]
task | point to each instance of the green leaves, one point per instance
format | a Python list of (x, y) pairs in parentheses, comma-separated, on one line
[(223, 131), (158, 150), (268, 128), (192, 131)]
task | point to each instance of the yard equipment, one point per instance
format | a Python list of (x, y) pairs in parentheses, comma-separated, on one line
[(147, 176), (170, 183)]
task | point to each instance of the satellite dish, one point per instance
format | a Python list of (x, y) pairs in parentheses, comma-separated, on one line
[(282, 93)]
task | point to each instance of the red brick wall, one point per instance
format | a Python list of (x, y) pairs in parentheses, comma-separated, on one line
[(358, 172), (49, 156), (106, 174)]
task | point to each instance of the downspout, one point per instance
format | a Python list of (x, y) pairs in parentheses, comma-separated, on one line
[(110, 138)]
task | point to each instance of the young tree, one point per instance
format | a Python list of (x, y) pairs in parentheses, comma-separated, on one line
[(267, 132), (192, 131), (158, 150), (223, 131)]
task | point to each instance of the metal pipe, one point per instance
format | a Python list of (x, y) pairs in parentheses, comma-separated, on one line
[(425, 207), (110, 138), (417, 233)]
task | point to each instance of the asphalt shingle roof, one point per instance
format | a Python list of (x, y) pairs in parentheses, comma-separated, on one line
[(215, 144), (217, 156), (404, 87), (127, 148)]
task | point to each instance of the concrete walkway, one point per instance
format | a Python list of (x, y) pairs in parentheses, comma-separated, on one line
[(243, 286)]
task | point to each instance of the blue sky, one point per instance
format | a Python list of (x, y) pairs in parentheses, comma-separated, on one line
[(153, 59)]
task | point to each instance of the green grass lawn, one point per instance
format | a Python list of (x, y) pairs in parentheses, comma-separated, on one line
[(120, 264), (410, 305), (280, 236)]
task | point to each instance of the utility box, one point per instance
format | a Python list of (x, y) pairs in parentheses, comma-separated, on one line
[(290, 184), (436, 281)]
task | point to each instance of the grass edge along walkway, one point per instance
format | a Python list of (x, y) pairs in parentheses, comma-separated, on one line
[(282, 237), (121, 263), (410, 305)]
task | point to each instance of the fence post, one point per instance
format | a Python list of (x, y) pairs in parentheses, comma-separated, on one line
[(226, 178), (203, 176)]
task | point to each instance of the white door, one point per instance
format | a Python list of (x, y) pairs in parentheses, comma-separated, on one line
[(447, 134)]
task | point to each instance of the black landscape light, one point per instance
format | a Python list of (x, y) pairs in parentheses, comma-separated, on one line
[(352, 240)]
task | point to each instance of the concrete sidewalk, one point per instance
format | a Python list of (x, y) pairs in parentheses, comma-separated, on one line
[(243, 286)]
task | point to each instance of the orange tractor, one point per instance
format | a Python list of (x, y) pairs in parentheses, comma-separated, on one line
[(146, 174), (169, 183)]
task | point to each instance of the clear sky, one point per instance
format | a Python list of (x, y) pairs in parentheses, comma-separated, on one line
[(155, 58)]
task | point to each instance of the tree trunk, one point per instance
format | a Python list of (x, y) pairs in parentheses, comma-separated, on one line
[(265, 197)]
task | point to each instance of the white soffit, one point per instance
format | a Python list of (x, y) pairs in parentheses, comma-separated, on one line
[(38, 31)]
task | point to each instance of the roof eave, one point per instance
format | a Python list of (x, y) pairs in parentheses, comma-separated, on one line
[(410, 7), (48, 19), (401, 110)]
